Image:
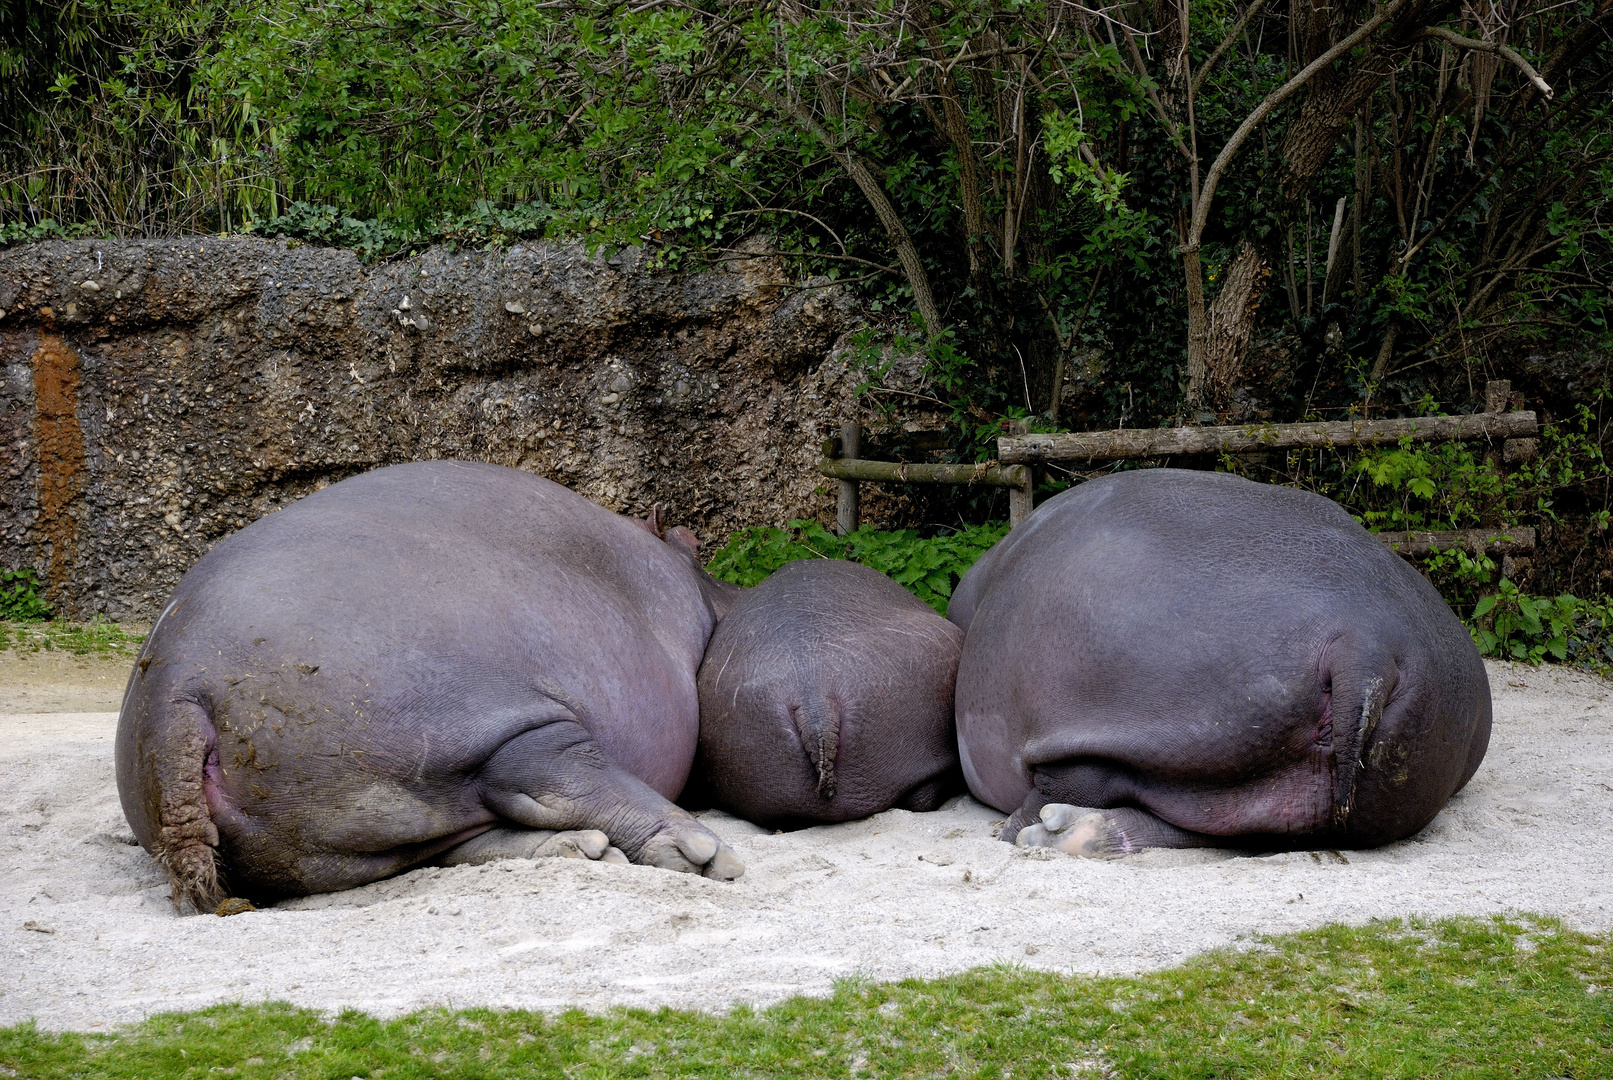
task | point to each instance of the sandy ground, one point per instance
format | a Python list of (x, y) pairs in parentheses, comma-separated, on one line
[(88, 939), (57, 682)]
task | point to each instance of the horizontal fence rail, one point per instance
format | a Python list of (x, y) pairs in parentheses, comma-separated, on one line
[(1018, 454), (1125, 443), (896, 472), (1514, 540), (840, 462)]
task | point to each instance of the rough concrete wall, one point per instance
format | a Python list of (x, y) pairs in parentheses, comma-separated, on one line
[(158, 395)]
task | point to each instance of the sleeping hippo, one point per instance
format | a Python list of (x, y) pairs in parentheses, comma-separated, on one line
[(439, 661), (1164, 658), (826, 695)]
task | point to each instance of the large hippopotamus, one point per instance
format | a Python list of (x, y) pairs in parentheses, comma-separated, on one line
[(826, 695), (1164, 658), (437, 661)]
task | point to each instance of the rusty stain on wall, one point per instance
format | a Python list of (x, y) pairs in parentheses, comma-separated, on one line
[(60, 440)]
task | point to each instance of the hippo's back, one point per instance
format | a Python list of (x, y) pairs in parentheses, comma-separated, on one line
[(826, 695)]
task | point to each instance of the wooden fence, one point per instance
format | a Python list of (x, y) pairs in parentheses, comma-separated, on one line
[(1017, 455)]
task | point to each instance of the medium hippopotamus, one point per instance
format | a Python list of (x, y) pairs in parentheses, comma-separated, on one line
[(437, 661), (1165, 658), (826, 695)]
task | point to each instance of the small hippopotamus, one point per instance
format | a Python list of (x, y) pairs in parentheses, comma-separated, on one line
[(826, 695), (1164, 658), (440, 661)]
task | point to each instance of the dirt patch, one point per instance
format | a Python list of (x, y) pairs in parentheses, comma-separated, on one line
[(61, 682), (90, 939)]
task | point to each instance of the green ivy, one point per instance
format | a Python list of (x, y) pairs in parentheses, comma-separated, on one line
[(928, 567)]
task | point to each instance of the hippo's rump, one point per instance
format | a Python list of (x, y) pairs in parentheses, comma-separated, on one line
[(352, 659), (1208, 649)]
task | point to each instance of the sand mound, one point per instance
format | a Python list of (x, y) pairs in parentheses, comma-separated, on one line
[(90, 940)]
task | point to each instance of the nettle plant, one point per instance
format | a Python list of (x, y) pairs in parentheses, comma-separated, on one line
[(928, 567), (1512, 624), (19, 597)]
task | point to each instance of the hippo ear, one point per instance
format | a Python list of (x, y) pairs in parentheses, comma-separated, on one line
[(654, 523), (683, 538)]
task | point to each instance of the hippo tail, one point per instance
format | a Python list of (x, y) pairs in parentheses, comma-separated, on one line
[(162, 777), (817, 721), (1360, 684)]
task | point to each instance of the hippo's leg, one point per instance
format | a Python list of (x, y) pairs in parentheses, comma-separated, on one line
[(557, 777), (1088, 808), (503, 843)]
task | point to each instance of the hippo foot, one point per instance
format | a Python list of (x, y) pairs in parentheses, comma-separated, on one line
[(1103, 834), (1075, 830), (531, 844), (690, 848), (557, 777)]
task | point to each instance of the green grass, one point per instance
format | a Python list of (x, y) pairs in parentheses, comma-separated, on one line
[(92, 638), (1460, 998)]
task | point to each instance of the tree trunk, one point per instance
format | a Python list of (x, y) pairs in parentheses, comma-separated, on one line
[(906, 251), (1198, 369), (1329, 107), (1232, 319)]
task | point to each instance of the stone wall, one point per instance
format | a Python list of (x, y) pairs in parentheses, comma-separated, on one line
[(158, 395)]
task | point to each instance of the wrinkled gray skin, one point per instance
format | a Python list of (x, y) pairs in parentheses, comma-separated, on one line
[(1164, 658), (826, 695), (438, 661)]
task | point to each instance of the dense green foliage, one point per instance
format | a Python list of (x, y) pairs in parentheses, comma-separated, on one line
[(1034, 179), (19, 596), (929, 567), (1465, 998), (1050, 203)]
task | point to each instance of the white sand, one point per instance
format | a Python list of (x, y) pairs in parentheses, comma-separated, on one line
[(898, 895)]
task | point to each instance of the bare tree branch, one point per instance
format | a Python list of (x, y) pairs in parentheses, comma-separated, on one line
[(1477, 45), (1226, 42), (1275, 98)]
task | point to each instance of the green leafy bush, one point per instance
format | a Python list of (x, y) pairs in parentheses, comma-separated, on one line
[(1513, 625), (1425, 486), (19, 597), (928, 567), (1523, 627)]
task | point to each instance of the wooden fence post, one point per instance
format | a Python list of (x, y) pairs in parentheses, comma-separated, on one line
[(847, 510), (1021, 497), (1496, 393), (1021, 501)]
